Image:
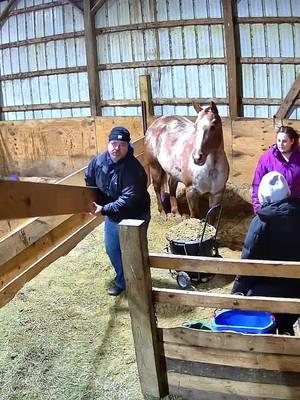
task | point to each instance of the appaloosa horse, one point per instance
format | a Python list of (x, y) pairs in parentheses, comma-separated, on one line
[(191, 153)]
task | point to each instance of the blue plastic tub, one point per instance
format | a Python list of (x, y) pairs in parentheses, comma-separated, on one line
[(244, 321)]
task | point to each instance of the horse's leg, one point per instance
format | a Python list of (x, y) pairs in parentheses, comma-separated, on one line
[(157, 175), (172, 189), (192, 197), (214, 200)]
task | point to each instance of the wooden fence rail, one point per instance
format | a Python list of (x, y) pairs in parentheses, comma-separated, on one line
[(199, 364)]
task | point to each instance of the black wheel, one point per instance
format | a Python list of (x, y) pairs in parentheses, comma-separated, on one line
[(183, 280)]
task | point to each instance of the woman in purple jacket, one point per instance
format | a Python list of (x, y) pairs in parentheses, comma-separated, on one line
[(283, 157)]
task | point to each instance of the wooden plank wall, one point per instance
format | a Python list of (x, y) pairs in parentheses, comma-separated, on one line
[(250, 138), (231, 366), (56, 148)]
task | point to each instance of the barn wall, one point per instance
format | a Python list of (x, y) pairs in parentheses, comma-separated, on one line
[(58, 147), (61, 88), (268, 40), (198, 48)]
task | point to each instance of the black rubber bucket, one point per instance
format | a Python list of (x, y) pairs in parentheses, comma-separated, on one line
[(193, 248)]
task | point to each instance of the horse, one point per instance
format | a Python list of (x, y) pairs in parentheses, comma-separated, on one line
[(178, 150)]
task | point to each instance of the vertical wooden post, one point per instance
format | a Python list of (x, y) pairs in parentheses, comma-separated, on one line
[(146, 96), (134, 247), (230, 44), (92, 59)]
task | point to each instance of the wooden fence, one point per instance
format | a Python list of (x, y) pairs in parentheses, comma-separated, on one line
[(199, 364), (37, 242)]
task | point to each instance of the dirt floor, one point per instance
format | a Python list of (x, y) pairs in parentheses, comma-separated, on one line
[(64, 338)]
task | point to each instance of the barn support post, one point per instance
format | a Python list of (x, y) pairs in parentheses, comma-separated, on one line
[(146, 96), (135, 256), (92, 59), (231, 58)]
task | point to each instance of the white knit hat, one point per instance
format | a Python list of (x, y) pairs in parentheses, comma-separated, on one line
[(273, 187)]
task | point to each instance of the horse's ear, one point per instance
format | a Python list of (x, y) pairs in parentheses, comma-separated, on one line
[(197, 107), (213, 107)]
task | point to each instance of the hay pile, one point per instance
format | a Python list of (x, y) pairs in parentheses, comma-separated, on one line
[(190, 230)]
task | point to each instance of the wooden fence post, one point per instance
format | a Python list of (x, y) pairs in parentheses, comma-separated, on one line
[(146, 96), (151, 368)]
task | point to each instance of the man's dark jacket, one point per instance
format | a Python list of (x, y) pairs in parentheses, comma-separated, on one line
[(123, 186), (274, 234)]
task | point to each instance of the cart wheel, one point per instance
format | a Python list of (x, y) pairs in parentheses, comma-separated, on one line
[(183, 280)]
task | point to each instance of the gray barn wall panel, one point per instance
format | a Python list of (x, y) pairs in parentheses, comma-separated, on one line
[(268, 40), (58, 54), (257, 40), (161, 44)]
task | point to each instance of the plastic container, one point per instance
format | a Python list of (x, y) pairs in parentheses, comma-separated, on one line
[(193, 248), (244, 321), (196, 324)]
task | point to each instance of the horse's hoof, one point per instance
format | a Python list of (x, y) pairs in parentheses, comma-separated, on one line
[(163, 215), (174, 215)]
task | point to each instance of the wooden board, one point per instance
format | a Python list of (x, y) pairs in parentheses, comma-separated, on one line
[(52, 148), (250, 139), (225, 266), (226, 365), (29, 199), (220, 300), (231, 387), (273, 344), (26, 265), (56, 147)]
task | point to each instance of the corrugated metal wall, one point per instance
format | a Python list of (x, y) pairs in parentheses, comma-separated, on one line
[(50, 55), (199, 41), (187, 42), (268, 40)]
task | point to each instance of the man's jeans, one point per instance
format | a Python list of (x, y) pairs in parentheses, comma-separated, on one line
[(113, 250)]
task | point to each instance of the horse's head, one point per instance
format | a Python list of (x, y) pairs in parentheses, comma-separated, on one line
[(209, 134)]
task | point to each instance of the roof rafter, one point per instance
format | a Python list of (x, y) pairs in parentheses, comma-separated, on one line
[(98, 4), (6, 10), (77, 4), (285, 108)]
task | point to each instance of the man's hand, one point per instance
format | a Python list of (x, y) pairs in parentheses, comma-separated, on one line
[(95, 208)]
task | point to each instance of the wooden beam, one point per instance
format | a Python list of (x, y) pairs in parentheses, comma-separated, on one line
[(160, 24), (46, 72), (92, 59), (276, 269), (230, 44), (267, 20), (98, 4), (51, 106), (220, 300), (162, 63), (6, 10), (151, 369), (146, 96), (38, 7), (31, 199), (46, 39), (77, 4), (58, 242), (285, 108)]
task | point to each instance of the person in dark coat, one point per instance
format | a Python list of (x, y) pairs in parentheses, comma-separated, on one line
[(122, 182), (273, 234)]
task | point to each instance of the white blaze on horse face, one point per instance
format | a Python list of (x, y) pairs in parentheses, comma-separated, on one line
[(203, 124)]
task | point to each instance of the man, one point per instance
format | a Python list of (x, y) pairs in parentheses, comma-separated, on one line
[(122, 182), (273, 235)]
